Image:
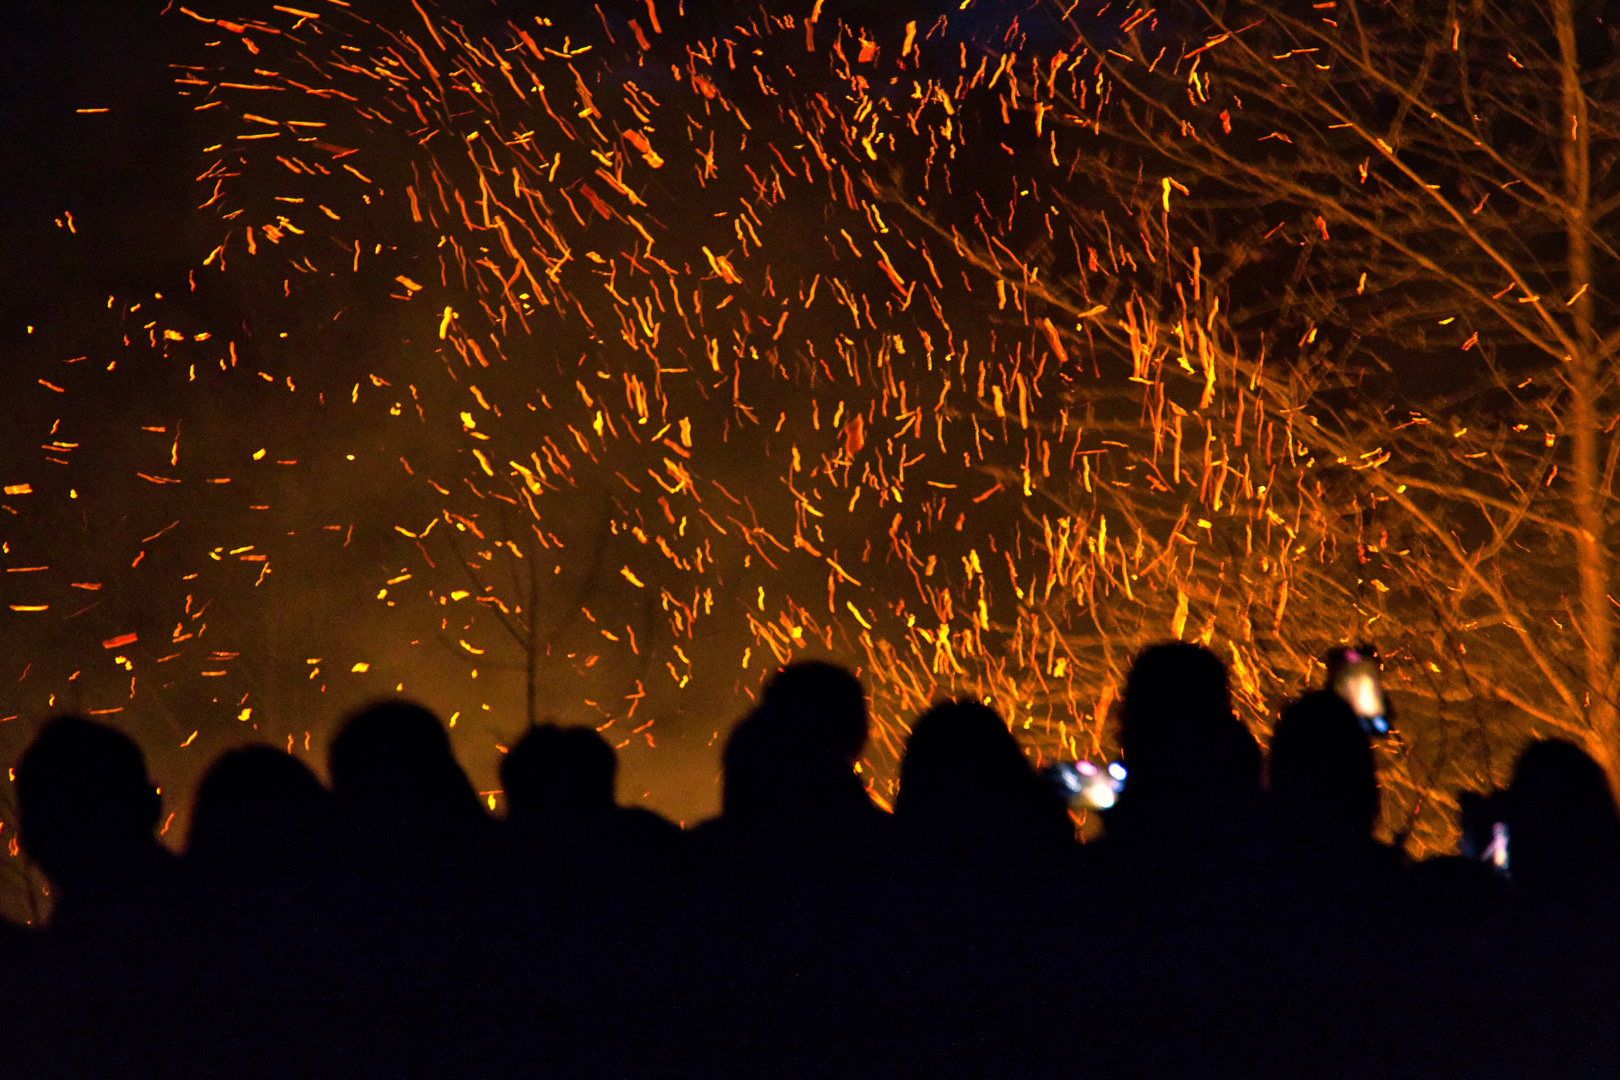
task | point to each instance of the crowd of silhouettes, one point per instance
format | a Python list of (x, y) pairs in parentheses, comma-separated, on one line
[(1236, 917)]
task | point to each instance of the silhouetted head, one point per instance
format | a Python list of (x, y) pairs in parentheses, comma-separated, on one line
[(86, 804), (1322, 775), (393, 761), (961, 759), (825, 703), (793, 755), (256, 804), (756, 760), (1181, 741), (558, 772), (1563, 827), (964, 769)]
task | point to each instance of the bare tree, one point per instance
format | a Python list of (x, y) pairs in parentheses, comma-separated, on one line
[(1421, 190)]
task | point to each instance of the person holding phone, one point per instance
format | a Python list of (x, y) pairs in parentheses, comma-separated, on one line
[(1355, 675), (1323, 792)]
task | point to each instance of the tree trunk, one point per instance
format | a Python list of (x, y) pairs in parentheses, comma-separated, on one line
[(532, 641), (1592, 554)]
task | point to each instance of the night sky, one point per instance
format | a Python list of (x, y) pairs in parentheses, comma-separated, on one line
[(348, 351)]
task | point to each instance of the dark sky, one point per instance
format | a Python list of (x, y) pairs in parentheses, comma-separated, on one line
[(122, 173)]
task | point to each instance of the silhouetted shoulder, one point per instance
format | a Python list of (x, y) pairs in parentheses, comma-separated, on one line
[(642, 826), (17, 945), (1457, 883)]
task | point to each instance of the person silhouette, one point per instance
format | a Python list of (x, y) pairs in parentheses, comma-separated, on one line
[(415, 916), (1545, 990), (256, 874), (1193, 765), (561, 805), (391, 765), (830, 702), (1323, 795), (1341, 914), (989, 847), (592, 896), (88, 813), (1563, 826), (17, 945), (786, 898), (1179, 876), (789, 764), (965, 782), (258, 812)]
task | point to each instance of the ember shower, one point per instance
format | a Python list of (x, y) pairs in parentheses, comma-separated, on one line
[(604, 360)]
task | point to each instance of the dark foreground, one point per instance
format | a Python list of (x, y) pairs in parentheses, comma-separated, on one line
[(387, 927)]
